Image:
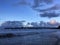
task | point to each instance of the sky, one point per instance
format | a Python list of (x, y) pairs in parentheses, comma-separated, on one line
[(12, 10)]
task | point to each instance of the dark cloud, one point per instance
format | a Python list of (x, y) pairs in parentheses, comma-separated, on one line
[(46, 12), (49, 14), (47, 1), (12, 24), (35, 4), (55, 7), (38, 2)]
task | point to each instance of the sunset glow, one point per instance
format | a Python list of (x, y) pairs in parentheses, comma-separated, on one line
[(53, 21)]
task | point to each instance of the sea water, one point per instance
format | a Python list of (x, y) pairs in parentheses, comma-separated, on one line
[(32, 37)]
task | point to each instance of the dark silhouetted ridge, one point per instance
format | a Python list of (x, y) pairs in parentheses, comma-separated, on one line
[(34, 28)]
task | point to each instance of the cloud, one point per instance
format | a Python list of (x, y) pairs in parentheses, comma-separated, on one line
[(53, 25), (47, 1), (34, 24), (13, 24), (48, 24), (49, 14), (22, 2), (38, 2), (54, 7), (42, 24)]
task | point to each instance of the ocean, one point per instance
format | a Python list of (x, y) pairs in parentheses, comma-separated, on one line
[(31, 37)]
